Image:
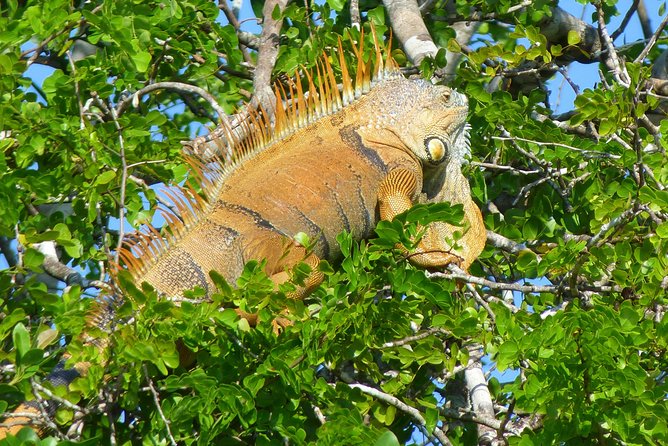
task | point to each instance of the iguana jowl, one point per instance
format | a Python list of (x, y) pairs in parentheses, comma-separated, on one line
[(332, 160)]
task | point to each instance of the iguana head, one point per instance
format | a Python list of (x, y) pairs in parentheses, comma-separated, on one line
[(429, 120)]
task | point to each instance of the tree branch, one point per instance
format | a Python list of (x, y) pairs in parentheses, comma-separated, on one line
[(417, 337), (234, 21), (644, 20), (481, 400), (556, 28), (267, 55), (410, 30), (458, 274), (501, 242), (652, 41), (156, 400), (612, 61), (179, 87), (396, 402), (625, 21)]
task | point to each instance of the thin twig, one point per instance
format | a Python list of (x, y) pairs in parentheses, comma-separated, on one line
[(617, 68), (481, 302), (417, 337), (458, 274), (77, 92), (179, 87), (51, 396), (625, 216), (234, 21), (156, 400), (652, 41), (43, 409), (124, 172), (625, 20), (595, 240), (511, 169)]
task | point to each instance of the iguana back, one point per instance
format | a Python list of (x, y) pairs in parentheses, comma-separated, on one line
[(321, 172)]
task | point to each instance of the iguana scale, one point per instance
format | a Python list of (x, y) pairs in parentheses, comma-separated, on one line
[(331, 160)]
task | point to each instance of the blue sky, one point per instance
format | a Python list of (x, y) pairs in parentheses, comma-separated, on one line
[(586, 75)]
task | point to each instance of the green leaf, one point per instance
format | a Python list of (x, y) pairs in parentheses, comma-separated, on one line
[(33, 356), (387, 438), (336, 5), (303, 239), (228, 317), (21, 339), (292, 33), (224, 289), (573, 37), (606, 127), (431, 417), (33, 259), (507, 355), (141, 59), (453, 46), (662, 230), (64, 233), (105, 177), (629, 317), (46, 338)]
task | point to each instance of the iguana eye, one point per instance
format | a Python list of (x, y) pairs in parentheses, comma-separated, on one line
[(436, 149)]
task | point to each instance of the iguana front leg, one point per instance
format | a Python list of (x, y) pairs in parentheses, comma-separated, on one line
[(295, 255), (279, 270), (395, 195)]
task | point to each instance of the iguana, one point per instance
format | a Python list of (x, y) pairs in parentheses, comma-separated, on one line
[(331, 159)]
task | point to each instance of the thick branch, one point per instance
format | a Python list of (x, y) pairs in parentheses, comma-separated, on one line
[(501, 242), (464, 31), (556, 28), (644, 20), (55, 268), (396, 402), (267, 55), (481, 399), (410, 29)]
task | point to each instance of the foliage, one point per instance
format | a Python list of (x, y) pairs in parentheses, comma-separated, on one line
[(572, 306)]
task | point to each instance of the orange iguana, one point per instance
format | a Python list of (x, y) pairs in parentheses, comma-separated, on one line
[(332, 159)]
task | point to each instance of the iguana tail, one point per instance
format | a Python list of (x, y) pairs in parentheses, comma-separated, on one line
[(37, 414)]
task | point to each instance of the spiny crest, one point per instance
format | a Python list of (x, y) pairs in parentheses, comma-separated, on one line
[(182, 208), (294, 109)]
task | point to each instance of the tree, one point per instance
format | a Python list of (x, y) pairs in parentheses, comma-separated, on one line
[(568, 298)]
